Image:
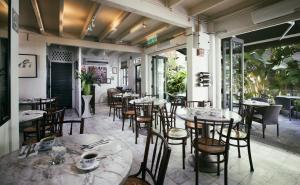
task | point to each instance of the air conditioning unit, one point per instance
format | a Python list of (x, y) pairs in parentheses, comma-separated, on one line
[(275, 10), (93, 61)]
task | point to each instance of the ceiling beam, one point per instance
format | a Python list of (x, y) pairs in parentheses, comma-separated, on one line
[(4, 3), (152, 10), (136, 27), (156, 31), (173, 3), (114, 25), (96, 8), (203, 6), (38, 16), (61, 17)]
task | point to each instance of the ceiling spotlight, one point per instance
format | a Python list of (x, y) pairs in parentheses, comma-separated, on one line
[(144, 25)]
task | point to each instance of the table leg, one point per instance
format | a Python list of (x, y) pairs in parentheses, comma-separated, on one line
[(205, 163)]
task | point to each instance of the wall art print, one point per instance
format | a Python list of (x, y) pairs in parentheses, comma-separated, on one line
[(27, 66)]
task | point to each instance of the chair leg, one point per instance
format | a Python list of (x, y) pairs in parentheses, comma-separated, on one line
[(226, 169), (239, 150), (196, 166), (218, 163), (263, 128), (277, 130), (191, 140), (136, 132), (249, 155), (114, 114), (123, 122), (109, 111), (183, 154)]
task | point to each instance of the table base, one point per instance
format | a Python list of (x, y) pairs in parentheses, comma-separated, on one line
[(205, 164)]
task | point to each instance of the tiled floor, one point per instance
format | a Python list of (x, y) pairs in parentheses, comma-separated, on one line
[(272, 165)]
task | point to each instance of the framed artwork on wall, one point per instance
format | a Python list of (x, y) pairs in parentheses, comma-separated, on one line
[(114, 70), (27, 66), (108, 81)]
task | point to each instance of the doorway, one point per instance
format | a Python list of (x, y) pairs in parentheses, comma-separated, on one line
[(232, 72), (159, 76), (138, 81), (61, 83)]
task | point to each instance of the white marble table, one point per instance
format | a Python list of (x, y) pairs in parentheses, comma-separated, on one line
[(34, 101), (115, 164), (254, 103), (30, 115), (156, 102), (207, 113), (126, 95)]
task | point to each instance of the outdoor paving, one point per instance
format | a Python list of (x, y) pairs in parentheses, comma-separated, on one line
[(272, 165)]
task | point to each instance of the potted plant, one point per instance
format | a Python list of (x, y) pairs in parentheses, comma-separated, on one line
[(88, 78)]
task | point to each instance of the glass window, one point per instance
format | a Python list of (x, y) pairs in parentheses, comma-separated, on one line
[(125, 76)]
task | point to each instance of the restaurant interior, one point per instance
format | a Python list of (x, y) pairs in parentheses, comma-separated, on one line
[(160, 92)]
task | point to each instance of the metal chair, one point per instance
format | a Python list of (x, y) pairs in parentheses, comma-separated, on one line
[(155, 162)]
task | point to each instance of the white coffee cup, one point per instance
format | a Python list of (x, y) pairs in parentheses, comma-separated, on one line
[(88, 158)]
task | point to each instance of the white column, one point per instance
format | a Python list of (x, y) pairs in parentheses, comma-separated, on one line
[(218, 72), (14, 82), (212, 70), (195, 64), (79, 81), (146, 74)]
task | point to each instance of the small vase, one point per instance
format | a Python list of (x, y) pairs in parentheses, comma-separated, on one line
[(87, 112)]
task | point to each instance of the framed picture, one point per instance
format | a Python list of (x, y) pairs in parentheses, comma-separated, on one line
[(114, 70), (27, 66), (108, 81)]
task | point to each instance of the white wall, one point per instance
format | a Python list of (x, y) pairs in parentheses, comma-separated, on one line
[(34, 87), (101, 91), (9, 132)]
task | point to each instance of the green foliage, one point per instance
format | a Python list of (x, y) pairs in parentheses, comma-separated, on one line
[(87, 79), (274, 75), (176, 77)]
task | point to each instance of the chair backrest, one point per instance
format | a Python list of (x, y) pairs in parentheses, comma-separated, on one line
[(165, 120), (155, 162), (193, 104), (47, 104), (260, 99), (54, 119), (271, 114), (285, 102), (143, 110), (110, 93), (210, 131), (71, 122)]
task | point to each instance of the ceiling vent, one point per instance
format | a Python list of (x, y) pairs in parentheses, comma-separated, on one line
[(93, 61), (274, 11)]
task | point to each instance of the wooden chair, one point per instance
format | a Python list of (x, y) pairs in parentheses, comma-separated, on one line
[(47, 104), (110, 93), (155, 109), (241, 133), (170, 132), (72, 122), (189, 125), (211, 143), (127, 112), (269, 117), (49, 125), (116, 106), (143, 114), (155, 162)]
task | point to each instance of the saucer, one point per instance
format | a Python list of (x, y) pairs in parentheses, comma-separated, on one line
[(92, 167)]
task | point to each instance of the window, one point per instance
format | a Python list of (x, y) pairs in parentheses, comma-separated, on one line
[(125, 77)]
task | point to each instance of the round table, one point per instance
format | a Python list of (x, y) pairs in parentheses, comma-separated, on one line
[(156, 102), (115, 164), (253, 103), (126, 95), (30, 115), (188, 114), (34, 102)]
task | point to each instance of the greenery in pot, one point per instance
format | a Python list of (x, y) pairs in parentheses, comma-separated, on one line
[(176, 77), (87, 78)]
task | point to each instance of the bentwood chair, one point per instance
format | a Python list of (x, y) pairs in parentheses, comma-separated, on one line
[(211, 143), (116, 105), (110, 93), (155, 108), (127, 112), (47, 104), (177, 135), (71, 123), (143, 115), (241, 132), (155, 162), (269, 117), (189, 125)]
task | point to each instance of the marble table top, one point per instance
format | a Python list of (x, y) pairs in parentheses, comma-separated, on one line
[(126, 95), (115, 164), (290, 97), (156, 102), (30, 115), (207, 113), (33, 101), (255, 103)]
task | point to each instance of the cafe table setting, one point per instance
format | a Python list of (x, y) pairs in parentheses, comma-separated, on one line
[(156, 101), (75, 159), (30, 115)]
